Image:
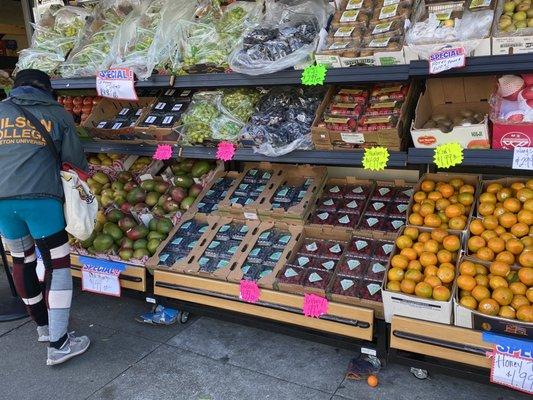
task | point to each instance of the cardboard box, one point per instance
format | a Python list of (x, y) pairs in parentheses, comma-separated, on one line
[(108, 109), (267, 281), (295, 176), (319, 233), (450, 96), (398, 303), (517, 42), (505, 182), (122, 164), (509, 136), (470, 179), (393, 138), (191, 264), (472, 319)]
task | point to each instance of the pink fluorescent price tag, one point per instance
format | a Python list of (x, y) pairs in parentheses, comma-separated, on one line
[(315, 306), (249, 291), (225, 151), (163, 152)]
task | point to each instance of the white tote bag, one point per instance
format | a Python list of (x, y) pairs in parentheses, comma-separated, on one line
[(80, 206)]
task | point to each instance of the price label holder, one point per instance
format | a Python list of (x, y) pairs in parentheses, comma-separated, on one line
[(101, 276), (523, 158), (448, 155), (375, 158), (443, 60), (249, 291), (314, 306), (116, 83), (314, 75)]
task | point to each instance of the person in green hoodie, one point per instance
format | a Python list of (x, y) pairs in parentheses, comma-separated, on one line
[(31, 207)]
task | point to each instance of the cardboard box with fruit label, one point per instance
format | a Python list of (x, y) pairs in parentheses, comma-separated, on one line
[(512, 28), (453, 110)]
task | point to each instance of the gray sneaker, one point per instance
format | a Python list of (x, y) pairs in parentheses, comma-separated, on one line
[(44, 334), (74, 346)]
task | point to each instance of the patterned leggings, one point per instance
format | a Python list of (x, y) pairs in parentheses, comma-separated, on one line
[(53, 308)]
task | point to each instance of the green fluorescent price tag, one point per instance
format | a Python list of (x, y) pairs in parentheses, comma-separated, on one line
[(375, 158), (314, 75), (447, 155)]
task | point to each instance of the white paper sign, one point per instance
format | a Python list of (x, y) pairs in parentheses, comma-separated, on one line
[(444, 60), (40, 265), (96, 281), (512, 371), (116, 83), (523, 158)]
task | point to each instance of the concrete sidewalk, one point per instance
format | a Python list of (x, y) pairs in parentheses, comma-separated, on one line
[(204, 359)]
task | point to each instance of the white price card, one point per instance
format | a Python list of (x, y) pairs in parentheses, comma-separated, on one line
[(512, 370), (116, 83), (446, 59), (97, 280), (523, 158)]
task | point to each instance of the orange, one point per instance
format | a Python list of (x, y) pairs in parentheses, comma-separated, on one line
[(504, 194), (432, 220), (443, 218), (496, 244), (498, 210), (488, 198), (399, 261), (480, 292), (416, 219), (493, 188), (529, 183), (409, 253), (446, 190), (528, 205), (418, 247), (529, 294), (427, 186), (456, 183), (476, 227), (481, 269), (419, 196), (485, 254), (457, 223), (503, 296), (431, 245), (427, 258), (468, 302), (527, 241), (434, 195), (467, 189), (516, 186), (412, 232), (526, 276), (414, 275), (514, 246), (426, 209), (395, 274), (486, 209), (490, 222), (423, 289), (463, 293), (444, 256), (466, 199), (431, 270), (454, 210), (441, 293), (518, 288), (453, 199), (433, 280), (403, 242), (512, 277), (475, 243), (372, 380), (507, 219), (519, 301), (488, 307), (488, 234), (451, 243), (505, 235), (520, 229), (393, 286), (424, 237), (447, 265), (525, 313), (415, 264), (506, 257), (438, 235), (499, 268), (446, 275), (526, 216), (507, 312), (500, 230), (482, 280), (441, 204), (511, 204), (497, 281), (525, 259), (407, 286), (467, 268), (524, 194), (466, 282)]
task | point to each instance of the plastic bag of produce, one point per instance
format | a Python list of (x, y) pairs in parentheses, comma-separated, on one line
[(226, 128), (39, 59), (196, 122), (239, 103), (282, 122), (287, 36)]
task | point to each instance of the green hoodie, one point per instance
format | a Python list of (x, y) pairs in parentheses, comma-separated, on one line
[(27, 167)]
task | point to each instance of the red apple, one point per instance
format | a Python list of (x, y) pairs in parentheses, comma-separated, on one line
[(88, 101), (528, 79), (527, 93), (77, 101)]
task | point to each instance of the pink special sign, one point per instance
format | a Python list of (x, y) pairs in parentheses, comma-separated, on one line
[(225, 151), (162, 152), (314, 306), (249, 291)]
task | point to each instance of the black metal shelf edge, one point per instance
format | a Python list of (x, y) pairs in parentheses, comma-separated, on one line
[(480, 158), (89, 82), (344, 158)]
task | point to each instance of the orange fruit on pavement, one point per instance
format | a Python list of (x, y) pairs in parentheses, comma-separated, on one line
[(507, 219), (493, 188), (497, 281), (518, 288), (414, 264), (500, 268), (520, 229), (423, 289), (424, 237), (467, 189), (511, 204), (468, 302), (486, 209), (482, 280), (407, 286), (372, 380), (431, 246), (485, 254), (466, 282), (496, 244), (476, 227), (525, 259), (488, 307), (507, 312), (514, 246), (399, 261), (438, 235), (395, 274), (506, 257), (409, 253), (467, 268), (519, 301), (480, 292), (446, 275), (441, 293), (525, 216), (431, 270), (503, 296), (525, 313), (403, 242), (427, 258), (475, 243), (451, 243), (446, 190), (393, 286), (526, 276), (444, 256), (414, 275), (433, 280), (411, 232), (490, 222), (427, 185), (456, 183)]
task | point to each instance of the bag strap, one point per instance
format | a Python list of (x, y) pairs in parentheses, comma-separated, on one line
[(38, 126)]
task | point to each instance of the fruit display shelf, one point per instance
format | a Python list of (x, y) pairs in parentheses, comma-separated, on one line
[(340, 158), (474, 158), (515, 63)]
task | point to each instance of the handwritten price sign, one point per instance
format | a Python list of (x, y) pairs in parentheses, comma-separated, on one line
[(512, 370), (447, 155), (249, 291), (375, 158), (446, 59), (315, 306), (116, 83), (314, 75), (96, 281), (523, 158)]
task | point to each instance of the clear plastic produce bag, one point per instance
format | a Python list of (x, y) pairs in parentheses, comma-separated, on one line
[(239, 103), (196, 122)]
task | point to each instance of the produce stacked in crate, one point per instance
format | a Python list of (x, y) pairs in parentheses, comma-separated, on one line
[(79, 106)]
